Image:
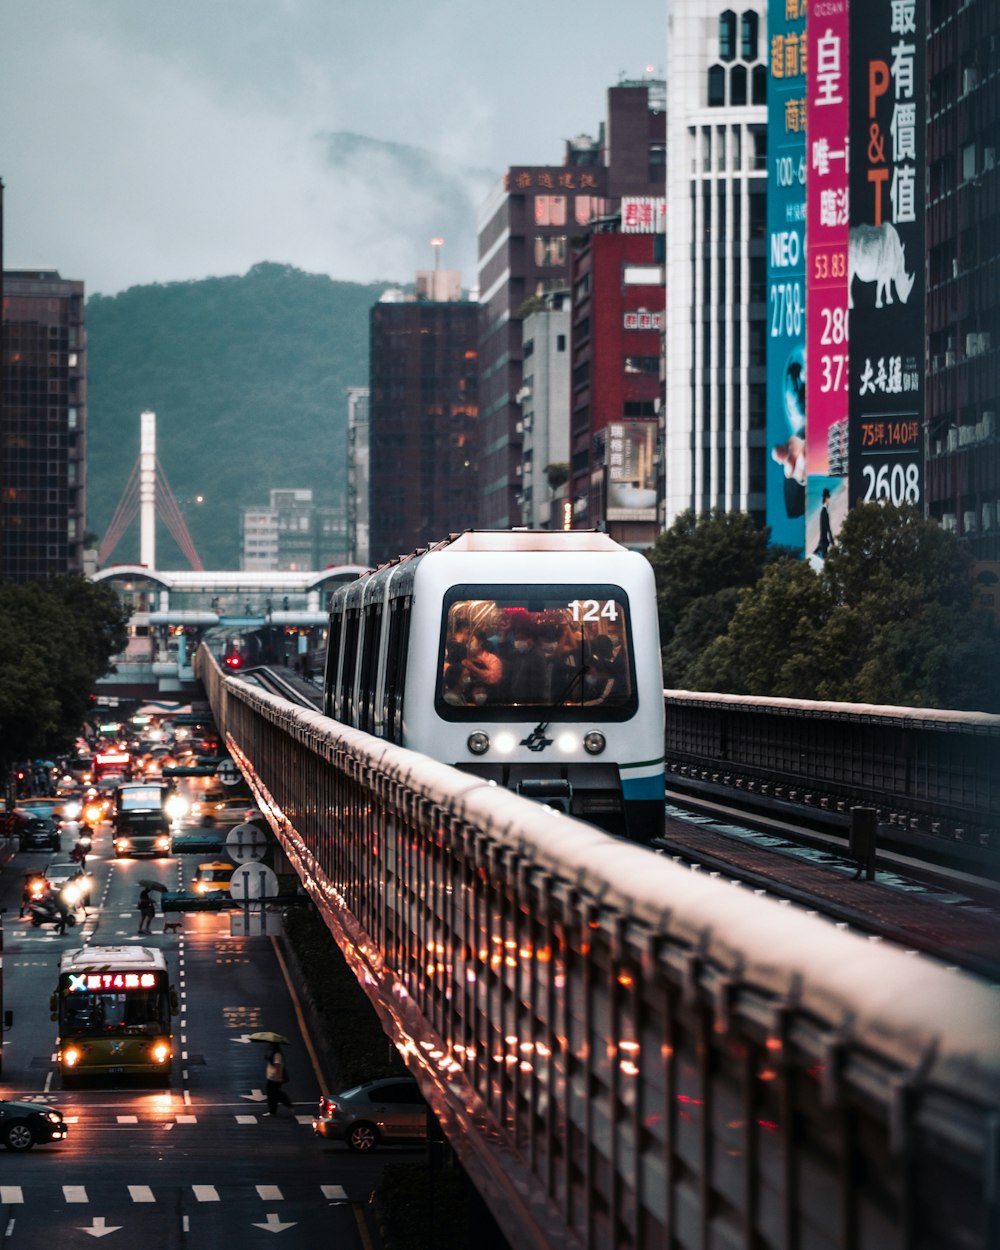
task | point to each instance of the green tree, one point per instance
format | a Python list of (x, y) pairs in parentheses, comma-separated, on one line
[(56, 639)]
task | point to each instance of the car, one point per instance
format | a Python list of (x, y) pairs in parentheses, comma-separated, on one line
[(388, 1110), (62, 874), (226, 811), (27, 1124), (213, 877), (37, 833)]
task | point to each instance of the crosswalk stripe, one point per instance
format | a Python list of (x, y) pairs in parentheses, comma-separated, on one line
[(187, 1119), (246, 1119), (334, 1192), (141, 1193), (205, 1193), (270, 1193), (75, 1193), (127, 1119), (10, 1194)]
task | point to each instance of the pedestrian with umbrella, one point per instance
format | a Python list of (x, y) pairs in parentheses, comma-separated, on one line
[(275, 1072), (147, 907)]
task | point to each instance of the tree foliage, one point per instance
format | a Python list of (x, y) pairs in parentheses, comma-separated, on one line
[(56, 639), (888, 618)]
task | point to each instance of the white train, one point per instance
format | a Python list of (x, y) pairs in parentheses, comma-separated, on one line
[(529, 658)]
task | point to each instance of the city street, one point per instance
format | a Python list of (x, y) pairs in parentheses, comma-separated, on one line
[(199, 1164)]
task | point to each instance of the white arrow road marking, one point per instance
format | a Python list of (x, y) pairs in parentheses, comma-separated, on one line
[(255, 1095), (99, 1228), (244, 1039), (274, 1225)]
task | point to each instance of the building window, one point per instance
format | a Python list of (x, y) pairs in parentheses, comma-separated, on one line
[(642, 275), (550, 249), (587, 207), (716, 87), (748, 36), (642, 364), (760, 84), (71, 417), (560, 342), (727, 35), (550, 210), (738, 85)]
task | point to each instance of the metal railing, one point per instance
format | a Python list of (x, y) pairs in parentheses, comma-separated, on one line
[(624, 1053)]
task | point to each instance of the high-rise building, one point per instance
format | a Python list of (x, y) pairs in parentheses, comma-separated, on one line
[(544, 400), (524, 252), (617, 327), (43, 426), (962, 481), (423, 406), (357, 474), (714, 449), (292, 533)]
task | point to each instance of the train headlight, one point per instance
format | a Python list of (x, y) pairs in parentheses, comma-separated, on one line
[(594, 742), (478, 742)]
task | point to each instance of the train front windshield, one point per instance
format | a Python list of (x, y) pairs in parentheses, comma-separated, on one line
[(536, 652)]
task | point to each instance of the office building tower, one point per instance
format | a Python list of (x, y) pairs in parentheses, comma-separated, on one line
[(962, 479), (357, 474), (423, 407), (43, 426), (544, 400), (617, 326), (524, 253), (714, 432)]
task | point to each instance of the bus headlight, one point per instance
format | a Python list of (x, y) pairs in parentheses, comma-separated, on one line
[(478, 742), (594, 742), (122, 844), (161, 1052), (163, 843)]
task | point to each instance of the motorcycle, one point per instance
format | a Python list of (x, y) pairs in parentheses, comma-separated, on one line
[(46, 910)]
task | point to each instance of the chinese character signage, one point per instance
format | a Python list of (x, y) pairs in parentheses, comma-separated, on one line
[(886, 251), (786, 303), (644, 214), (642, 319), (828, 386), (631, 455)]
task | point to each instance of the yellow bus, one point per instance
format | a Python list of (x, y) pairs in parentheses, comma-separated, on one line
[(113, 1005)]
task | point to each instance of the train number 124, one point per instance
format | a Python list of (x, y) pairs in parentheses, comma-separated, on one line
[(594, 609)]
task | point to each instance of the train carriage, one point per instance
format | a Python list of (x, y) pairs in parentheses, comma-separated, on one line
[(531, 659)]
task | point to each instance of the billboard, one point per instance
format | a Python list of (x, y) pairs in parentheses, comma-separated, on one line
[(631, 471), (827, 220), (885, 264), (786, 302)]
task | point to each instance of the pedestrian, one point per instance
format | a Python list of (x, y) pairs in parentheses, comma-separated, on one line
[(147, 910), (276, 1077)]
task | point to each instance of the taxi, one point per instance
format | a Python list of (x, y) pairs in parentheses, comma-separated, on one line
[(213, 878)]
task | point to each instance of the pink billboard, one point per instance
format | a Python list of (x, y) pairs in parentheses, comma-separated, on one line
[(827, 220)]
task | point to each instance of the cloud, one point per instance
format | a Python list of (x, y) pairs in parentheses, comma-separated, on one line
[(159, 143)]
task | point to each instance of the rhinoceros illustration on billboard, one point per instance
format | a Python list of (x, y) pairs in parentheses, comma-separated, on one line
[(875, 254)]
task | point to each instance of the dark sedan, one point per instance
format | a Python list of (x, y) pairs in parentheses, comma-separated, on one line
[(37, 833), (27, 1124)]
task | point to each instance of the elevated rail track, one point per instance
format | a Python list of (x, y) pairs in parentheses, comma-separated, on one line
[(620, 1051)]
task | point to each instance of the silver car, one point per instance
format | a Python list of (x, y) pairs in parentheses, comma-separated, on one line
[(390, 1110)]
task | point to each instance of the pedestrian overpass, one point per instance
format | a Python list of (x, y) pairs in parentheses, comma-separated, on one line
[(171, 611)]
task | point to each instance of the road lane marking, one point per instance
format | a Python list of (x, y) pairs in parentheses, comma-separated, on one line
[(334, 1193), (269, 1193), (141, 1193), (10, 1194), (205, 1193), (246, 1119), (127, 1119), (75, 1193), (187, 1119)]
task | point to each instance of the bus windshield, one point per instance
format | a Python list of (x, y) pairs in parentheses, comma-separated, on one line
[(88, 1009), (535, 651)]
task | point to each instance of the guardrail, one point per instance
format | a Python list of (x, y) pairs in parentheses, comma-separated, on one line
[(621, 1052)]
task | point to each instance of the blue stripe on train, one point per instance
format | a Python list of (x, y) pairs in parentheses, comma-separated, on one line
[(636, 788)]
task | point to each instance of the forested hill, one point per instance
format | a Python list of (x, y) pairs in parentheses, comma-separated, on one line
[(246, 376)]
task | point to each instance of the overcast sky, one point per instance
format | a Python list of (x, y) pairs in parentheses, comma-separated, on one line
[(150, 142)]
